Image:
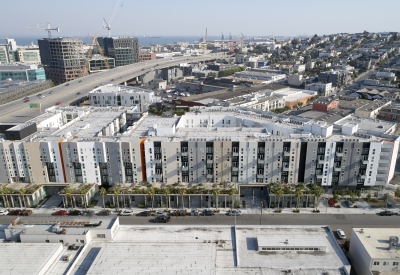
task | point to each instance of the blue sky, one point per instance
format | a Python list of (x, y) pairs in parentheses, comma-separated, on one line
[(189, 17)]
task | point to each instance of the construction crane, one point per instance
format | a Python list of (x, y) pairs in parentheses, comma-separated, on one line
[(48, 29), (95, 43), (107, 26)]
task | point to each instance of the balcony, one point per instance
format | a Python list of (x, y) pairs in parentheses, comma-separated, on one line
[(384, 160), (260, 176), (285, 168), (339, 153), (185, 168), (184, 154), (157, 160), (320, 176), (209, 176), (364, 161), (209, 161), (338, 169), (260, 161), (363, 177), (386, 153), (321, 160), (286, 153), (235, 168), (235, 154)]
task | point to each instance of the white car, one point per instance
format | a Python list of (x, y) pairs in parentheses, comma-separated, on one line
[(341, 234), (235, 213), (126, 213), (3, 212), (158, 213)]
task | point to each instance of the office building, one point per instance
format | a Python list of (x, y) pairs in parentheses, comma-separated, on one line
[(337, 78), (19, 71), (118, 95), (98, 63), (375, 250), (62, 58), (29, 55), (146, 56), (125, 50), (7, 55), (110, 145)]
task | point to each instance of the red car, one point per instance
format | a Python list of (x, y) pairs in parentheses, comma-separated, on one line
[(58, 103), (60, 213), (26, 100), (15, 212), (331, 203)]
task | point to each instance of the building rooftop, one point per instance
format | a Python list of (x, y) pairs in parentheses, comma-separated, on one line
[(117, 89), (28, 258), (17, 67), (376, 242), (324, 100), (369, 125), (219, 250)]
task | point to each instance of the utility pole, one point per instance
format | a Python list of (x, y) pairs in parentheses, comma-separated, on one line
[(262, 205)]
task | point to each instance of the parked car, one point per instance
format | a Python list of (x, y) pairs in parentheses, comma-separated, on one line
[(80, 81), (26, 100), (67, 84), (51, 92), (158, 213), (331, 203), (78, 93), (386, 213), (234, 212), (89, 213), (163, 218), (15, 212), (126, 213), (341, 234), (75, 213), (144, 214), (60, 213), (348, 203), (208, 213), (58, 103), (103, 213), (3, 212)]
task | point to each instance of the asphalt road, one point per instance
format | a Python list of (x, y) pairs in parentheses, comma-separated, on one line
[(335, 221), (19, 111)]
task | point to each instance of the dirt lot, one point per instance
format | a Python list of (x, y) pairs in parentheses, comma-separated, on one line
[(376, 203)]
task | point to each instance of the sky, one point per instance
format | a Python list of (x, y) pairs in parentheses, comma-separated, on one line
[(191, 18)]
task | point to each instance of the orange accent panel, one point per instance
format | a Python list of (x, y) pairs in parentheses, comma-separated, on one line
[(143, 158), (62, 160)]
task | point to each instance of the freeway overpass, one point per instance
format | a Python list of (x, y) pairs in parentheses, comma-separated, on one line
[(19, 111)]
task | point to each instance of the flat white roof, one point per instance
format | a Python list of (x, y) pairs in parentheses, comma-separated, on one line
[(376, 241), (291, 240), (27, 258)]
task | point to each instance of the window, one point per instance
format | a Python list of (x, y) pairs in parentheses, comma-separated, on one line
[(102, 236), (47, 241), (395, 263), (376, 263)]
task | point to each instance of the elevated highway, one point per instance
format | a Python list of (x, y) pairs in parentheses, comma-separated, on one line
[(19, 111)]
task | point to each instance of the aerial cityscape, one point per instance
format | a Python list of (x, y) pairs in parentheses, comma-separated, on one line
[(132, 143)]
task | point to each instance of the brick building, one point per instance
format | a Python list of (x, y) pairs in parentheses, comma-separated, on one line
[(146, 56), (324, 104)]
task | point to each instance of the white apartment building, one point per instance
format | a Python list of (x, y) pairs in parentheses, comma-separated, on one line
[(110, 145), (325, 89), (118, 95)]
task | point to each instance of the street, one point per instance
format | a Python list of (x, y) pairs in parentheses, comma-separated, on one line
[(335, 221)]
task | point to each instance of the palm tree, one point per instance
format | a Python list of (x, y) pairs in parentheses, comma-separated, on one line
[(279, 194), (165, 194), (151, 193), (82, 192), (317, 194), (182, 191), (297, 194), (102, 193), (216, 192), (4, 192), (232, 192), (68, 193), (22, 192), (116, 193)]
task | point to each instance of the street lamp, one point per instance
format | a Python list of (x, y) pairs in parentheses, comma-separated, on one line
[(262, 205)]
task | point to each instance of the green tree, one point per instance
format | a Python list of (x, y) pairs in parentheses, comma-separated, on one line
[(352, 197), (216, 192), (68, 192), (102, 193), (232, 192), (83, 192), (166, 192), (369, 197), (182, 191), (4, 193), (317, 193), (22, 192), (279, 194), (116, 192), (297, 194), (151, 193), (397, 192)]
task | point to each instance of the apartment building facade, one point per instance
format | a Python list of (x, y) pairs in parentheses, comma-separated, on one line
[(214, 144), (125, 50)]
